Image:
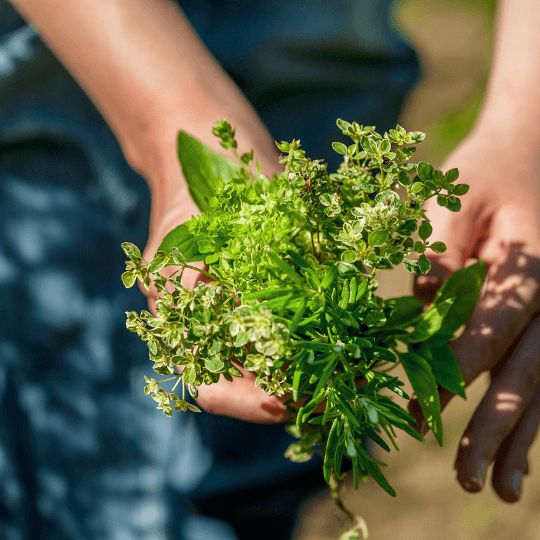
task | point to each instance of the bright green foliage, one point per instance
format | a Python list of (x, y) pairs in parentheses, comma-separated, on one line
[(293, 262)]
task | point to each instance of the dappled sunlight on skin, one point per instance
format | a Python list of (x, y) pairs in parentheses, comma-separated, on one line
[(508, 401), (503, 338), (509, 300)]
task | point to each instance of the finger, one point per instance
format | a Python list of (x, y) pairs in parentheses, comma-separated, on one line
[(511, 460), (242, 399), (510, 299), (508, 396)]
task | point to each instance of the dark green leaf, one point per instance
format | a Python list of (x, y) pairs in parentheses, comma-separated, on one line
[(308, 408), (425, 171), (345, 291), (308, 270), (430, 322), (378, 476), (268, 293), (445, 367), (425, 387), (331, 445), (453, 204), (404, 179), (361, 289), (332, 361), (424, 264), (284, 267), (344, 407), (300, 310), (442, 200), (376, 438), (425, 230), (407, 227), (464, 284), (438, 247), (452, 175), (329, 278), (460, 189), (405, 310), (375, 317)]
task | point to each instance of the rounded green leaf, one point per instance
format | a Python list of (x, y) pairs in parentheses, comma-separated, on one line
[(460, 189), (404, 179), (128, 278), (442, 200), (438, 247), (378, 238), (452, 175), (424, 264), (189, 374), (214, 364), (340, 148), (425, 171), (349, 256), (425, 230), (325, 199), (416, 187)]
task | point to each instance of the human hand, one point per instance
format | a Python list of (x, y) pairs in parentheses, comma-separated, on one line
[(171, 206), (500, 223)]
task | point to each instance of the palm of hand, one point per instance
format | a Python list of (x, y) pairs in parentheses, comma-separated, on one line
[(500, 223)]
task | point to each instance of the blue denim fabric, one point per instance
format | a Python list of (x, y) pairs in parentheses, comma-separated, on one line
[(83, 453)]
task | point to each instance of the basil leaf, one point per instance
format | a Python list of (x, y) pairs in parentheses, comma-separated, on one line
[(446, 370), (404, 310), (425, 387), (185, 241), (464, 284), (430, 322), (203, 168)]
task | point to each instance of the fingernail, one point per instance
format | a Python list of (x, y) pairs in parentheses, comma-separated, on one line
[(481, 472), (476, 483), (516, 483)]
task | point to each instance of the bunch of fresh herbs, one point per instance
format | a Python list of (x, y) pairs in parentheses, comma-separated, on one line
[(292, 296)]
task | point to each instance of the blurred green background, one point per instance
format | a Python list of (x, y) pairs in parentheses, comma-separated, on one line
[(454, 41)]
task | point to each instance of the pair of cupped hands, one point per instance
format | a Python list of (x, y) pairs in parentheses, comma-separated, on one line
[(500, 223)]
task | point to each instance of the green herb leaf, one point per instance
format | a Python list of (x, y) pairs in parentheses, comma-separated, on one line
[(378, 238), (405, 310), (445, 368), (186, 242), (425, 387), (464, 284), (203, 169)]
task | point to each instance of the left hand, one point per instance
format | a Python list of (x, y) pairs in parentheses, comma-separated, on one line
[(500, 223)]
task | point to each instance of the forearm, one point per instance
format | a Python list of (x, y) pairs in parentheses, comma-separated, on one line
[(145, 69), (512, 103)]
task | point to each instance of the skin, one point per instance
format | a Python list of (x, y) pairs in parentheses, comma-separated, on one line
[(500, 223), (149, 74)]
